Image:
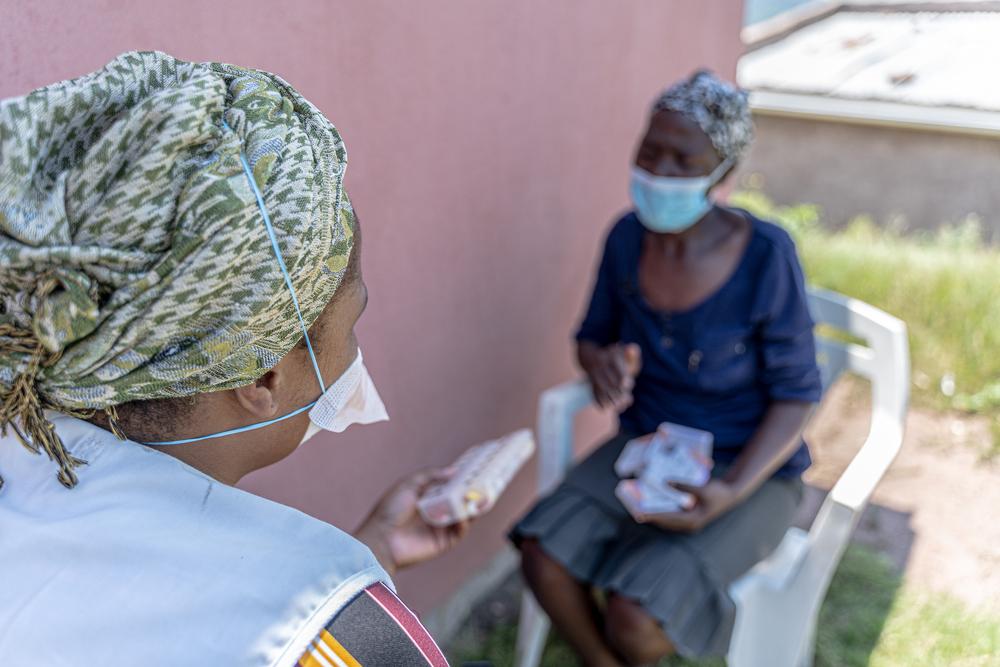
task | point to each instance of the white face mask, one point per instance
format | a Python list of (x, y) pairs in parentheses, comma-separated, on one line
[(352, 399), (310, 432)]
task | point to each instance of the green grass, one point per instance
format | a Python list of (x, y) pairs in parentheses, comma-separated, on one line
[(867, 620), (943, 285), (856, 609)]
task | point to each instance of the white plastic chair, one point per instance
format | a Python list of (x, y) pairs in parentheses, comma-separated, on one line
[(778, 601)]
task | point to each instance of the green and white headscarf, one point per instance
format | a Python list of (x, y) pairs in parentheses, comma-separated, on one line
[(134, 263)]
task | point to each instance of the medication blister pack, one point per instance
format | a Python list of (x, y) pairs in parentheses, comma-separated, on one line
[(674, 454), (481, 474)]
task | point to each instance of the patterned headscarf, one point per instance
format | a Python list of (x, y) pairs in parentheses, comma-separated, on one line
[(134, 263), (720, 109)]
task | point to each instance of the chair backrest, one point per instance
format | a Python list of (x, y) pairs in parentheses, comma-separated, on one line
[(883, 360)]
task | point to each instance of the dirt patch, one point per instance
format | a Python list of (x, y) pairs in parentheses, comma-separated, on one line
[(936, 513)]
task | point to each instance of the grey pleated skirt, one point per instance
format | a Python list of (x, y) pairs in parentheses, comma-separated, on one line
[(681, 580)]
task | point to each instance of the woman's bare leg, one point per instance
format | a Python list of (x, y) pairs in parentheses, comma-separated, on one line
[(569, 604), (633, 633)]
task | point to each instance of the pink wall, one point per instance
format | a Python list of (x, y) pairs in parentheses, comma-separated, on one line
[(488, 147)]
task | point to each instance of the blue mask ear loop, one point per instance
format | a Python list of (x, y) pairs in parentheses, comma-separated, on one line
[(295, 301), (719, 172), (281, 260)]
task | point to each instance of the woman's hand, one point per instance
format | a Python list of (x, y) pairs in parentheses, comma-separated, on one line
[(397, 534), (611, 371), (711, 501)]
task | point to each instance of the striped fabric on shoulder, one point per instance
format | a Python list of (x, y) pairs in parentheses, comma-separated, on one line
[(374, 630)]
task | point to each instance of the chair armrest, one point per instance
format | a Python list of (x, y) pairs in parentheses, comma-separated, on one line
[(889, 373), (870, 464), (557, 408), (778, 569)]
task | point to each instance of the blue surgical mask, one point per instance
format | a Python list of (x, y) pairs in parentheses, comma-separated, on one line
[(669, 205)]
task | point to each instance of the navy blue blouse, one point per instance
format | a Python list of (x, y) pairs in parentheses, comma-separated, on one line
[(719, 365)]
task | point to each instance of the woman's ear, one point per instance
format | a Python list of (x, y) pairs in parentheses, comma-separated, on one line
[(260, 398)]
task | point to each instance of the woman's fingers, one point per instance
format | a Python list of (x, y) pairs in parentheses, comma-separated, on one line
[(612, 375), (602, 397), (422, 480), (602, 389), (632, 354), (458, 531), (609, 374), (619, 364), (623, 401)]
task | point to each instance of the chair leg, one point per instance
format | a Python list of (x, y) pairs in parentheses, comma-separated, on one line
[(532, 630), (808, 649)]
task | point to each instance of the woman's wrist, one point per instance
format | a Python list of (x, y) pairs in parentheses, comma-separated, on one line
[(733, 497), (374, 538), (740, 483)]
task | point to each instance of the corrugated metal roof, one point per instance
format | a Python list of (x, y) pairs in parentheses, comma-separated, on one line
[(911, 2), (761, 10), (947, 59), (755, 11)]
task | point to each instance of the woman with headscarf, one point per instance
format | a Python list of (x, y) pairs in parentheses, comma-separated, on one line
[(180, 267), (698, 317)]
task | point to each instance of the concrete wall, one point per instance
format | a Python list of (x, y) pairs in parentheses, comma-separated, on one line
[(489, 144), (923, 178)]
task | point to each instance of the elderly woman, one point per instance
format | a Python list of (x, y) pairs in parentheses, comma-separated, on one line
[(180, 267), (698, 317)]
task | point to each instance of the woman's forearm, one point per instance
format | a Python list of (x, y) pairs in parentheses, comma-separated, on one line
[(375, 541), (776, 439)]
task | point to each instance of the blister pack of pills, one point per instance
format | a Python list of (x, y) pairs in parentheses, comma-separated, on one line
[(674, 454), (482, 473)]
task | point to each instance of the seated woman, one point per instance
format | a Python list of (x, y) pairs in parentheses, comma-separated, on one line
[(698, 317)]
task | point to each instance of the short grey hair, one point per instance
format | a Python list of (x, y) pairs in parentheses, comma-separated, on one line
[(720, 109)]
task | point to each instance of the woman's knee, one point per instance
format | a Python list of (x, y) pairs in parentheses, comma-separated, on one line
[(633, 633), (538, 567)]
